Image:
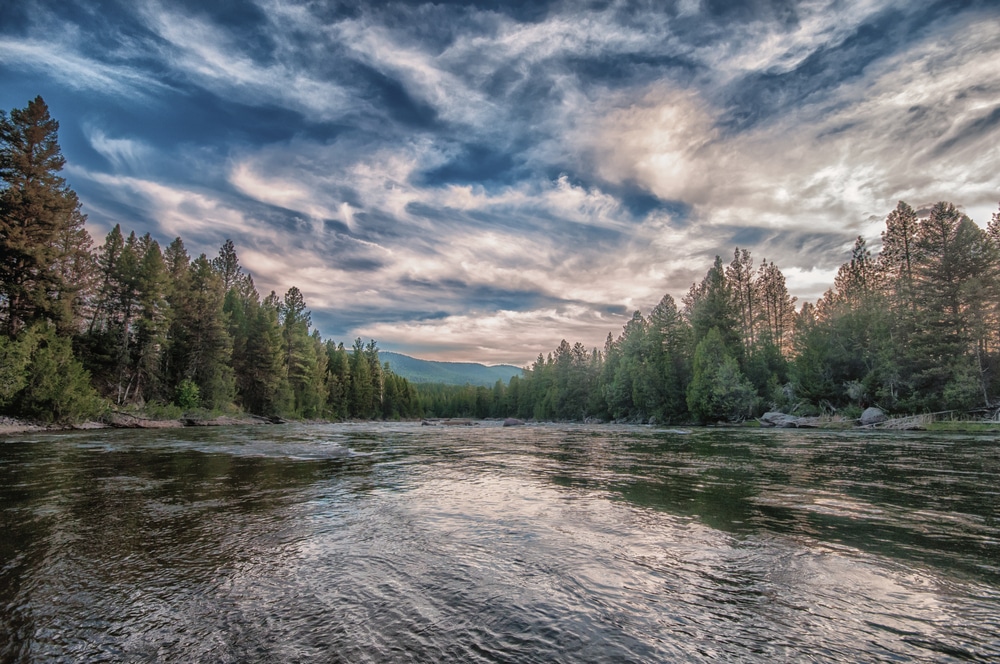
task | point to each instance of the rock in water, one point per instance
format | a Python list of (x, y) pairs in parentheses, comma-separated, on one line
[(873, 415)]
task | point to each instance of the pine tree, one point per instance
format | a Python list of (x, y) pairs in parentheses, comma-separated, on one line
[(954, 297), (361, 395), (857, 281), (740, 278), (227, 266), (338, 382), (815, 373), (41, 227), (899, 255), (669, 342), (150, 324), (709, 305), (204, 351), (776, 320), (301, 355), (260, 372), (178, 266), (718, 390), (377, 378), (857, 316), (15, 359), (57, 387)]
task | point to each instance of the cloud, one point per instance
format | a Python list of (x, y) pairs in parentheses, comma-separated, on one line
[(217, 60), (511, 337), (897, 133), (199, 217), (57, 58), (479, 182), (124, 154)]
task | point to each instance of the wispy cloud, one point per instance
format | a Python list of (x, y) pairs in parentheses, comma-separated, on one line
[(479, 182), (61, 61), (124, 154), (513, 337), (895, 133), (213, 58)]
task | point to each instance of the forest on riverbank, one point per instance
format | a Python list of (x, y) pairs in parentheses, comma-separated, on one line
[(912, 329), (127, 324)]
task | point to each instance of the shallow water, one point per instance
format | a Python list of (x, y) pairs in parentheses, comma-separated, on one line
[(374, 542)]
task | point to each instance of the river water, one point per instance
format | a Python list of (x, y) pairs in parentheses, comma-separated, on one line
[(395, 542)]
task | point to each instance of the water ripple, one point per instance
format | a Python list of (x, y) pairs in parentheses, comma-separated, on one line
[(375, 543)]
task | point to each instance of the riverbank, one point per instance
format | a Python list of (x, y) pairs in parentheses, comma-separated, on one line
[(10, 426)]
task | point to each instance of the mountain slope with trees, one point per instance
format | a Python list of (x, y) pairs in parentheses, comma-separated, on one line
[(448, 373)]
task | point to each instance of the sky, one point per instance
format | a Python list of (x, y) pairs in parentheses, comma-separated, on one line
[(475, 181)]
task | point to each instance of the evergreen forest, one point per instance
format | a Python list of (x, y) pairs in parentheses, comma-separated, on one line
[(88, 327), (913, 329), (131, 324)]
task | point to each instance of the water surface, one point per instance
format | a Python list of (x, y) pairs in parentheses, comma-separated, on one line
[(374, 542)]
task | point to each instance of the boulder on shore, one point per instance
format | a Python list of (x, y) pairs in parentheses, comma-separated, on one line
[(873, 415), (780, 420), (513, 422)]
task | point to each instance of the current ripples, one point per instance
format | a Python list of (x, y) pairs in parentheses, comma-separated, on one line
[(374, 543)]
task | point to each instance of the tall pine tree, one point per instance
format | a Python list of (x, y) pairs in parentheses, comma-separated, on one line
[(41, 225)]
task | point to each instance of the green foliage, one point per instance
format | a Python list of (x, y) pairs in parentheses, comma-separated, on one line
[(158, 410), (305, 359), (361, 398), (258, 352), (57, 387), (160, 327), (964, 390), (15, 358), (851, 412), (44, 259), (710, 305), (188, 396), (916, 328), (718, 390), (201, 344), (440, 400)]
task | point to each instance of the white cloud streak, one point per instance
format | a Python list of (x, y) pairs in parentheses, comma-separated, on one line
[(210, 57), (57, 58), (797, 186)]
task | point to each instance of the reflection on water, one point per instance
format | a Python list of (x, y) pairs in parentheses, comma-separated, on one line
[(569, 543)]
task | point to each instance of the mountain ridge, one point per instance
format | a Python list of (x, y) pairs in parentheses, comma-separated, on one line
[(416, 370)]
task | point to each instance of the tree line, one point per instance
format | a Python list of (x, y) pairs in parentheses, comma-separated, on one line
[(129, 323), (915, 328)]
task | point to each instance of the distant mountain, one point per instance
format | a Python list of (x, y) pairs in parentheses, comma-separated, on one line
[(449, 373)]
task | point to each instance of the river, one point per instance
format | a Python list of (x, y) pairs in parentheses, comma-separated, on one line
[(396, 542)]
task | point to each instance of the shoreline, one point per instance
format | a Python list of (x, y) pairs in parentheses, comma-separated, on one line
[(10, 426)]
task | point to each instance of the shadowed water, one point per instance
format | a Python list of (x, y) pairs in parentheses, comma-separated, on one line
[(370, 542)]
